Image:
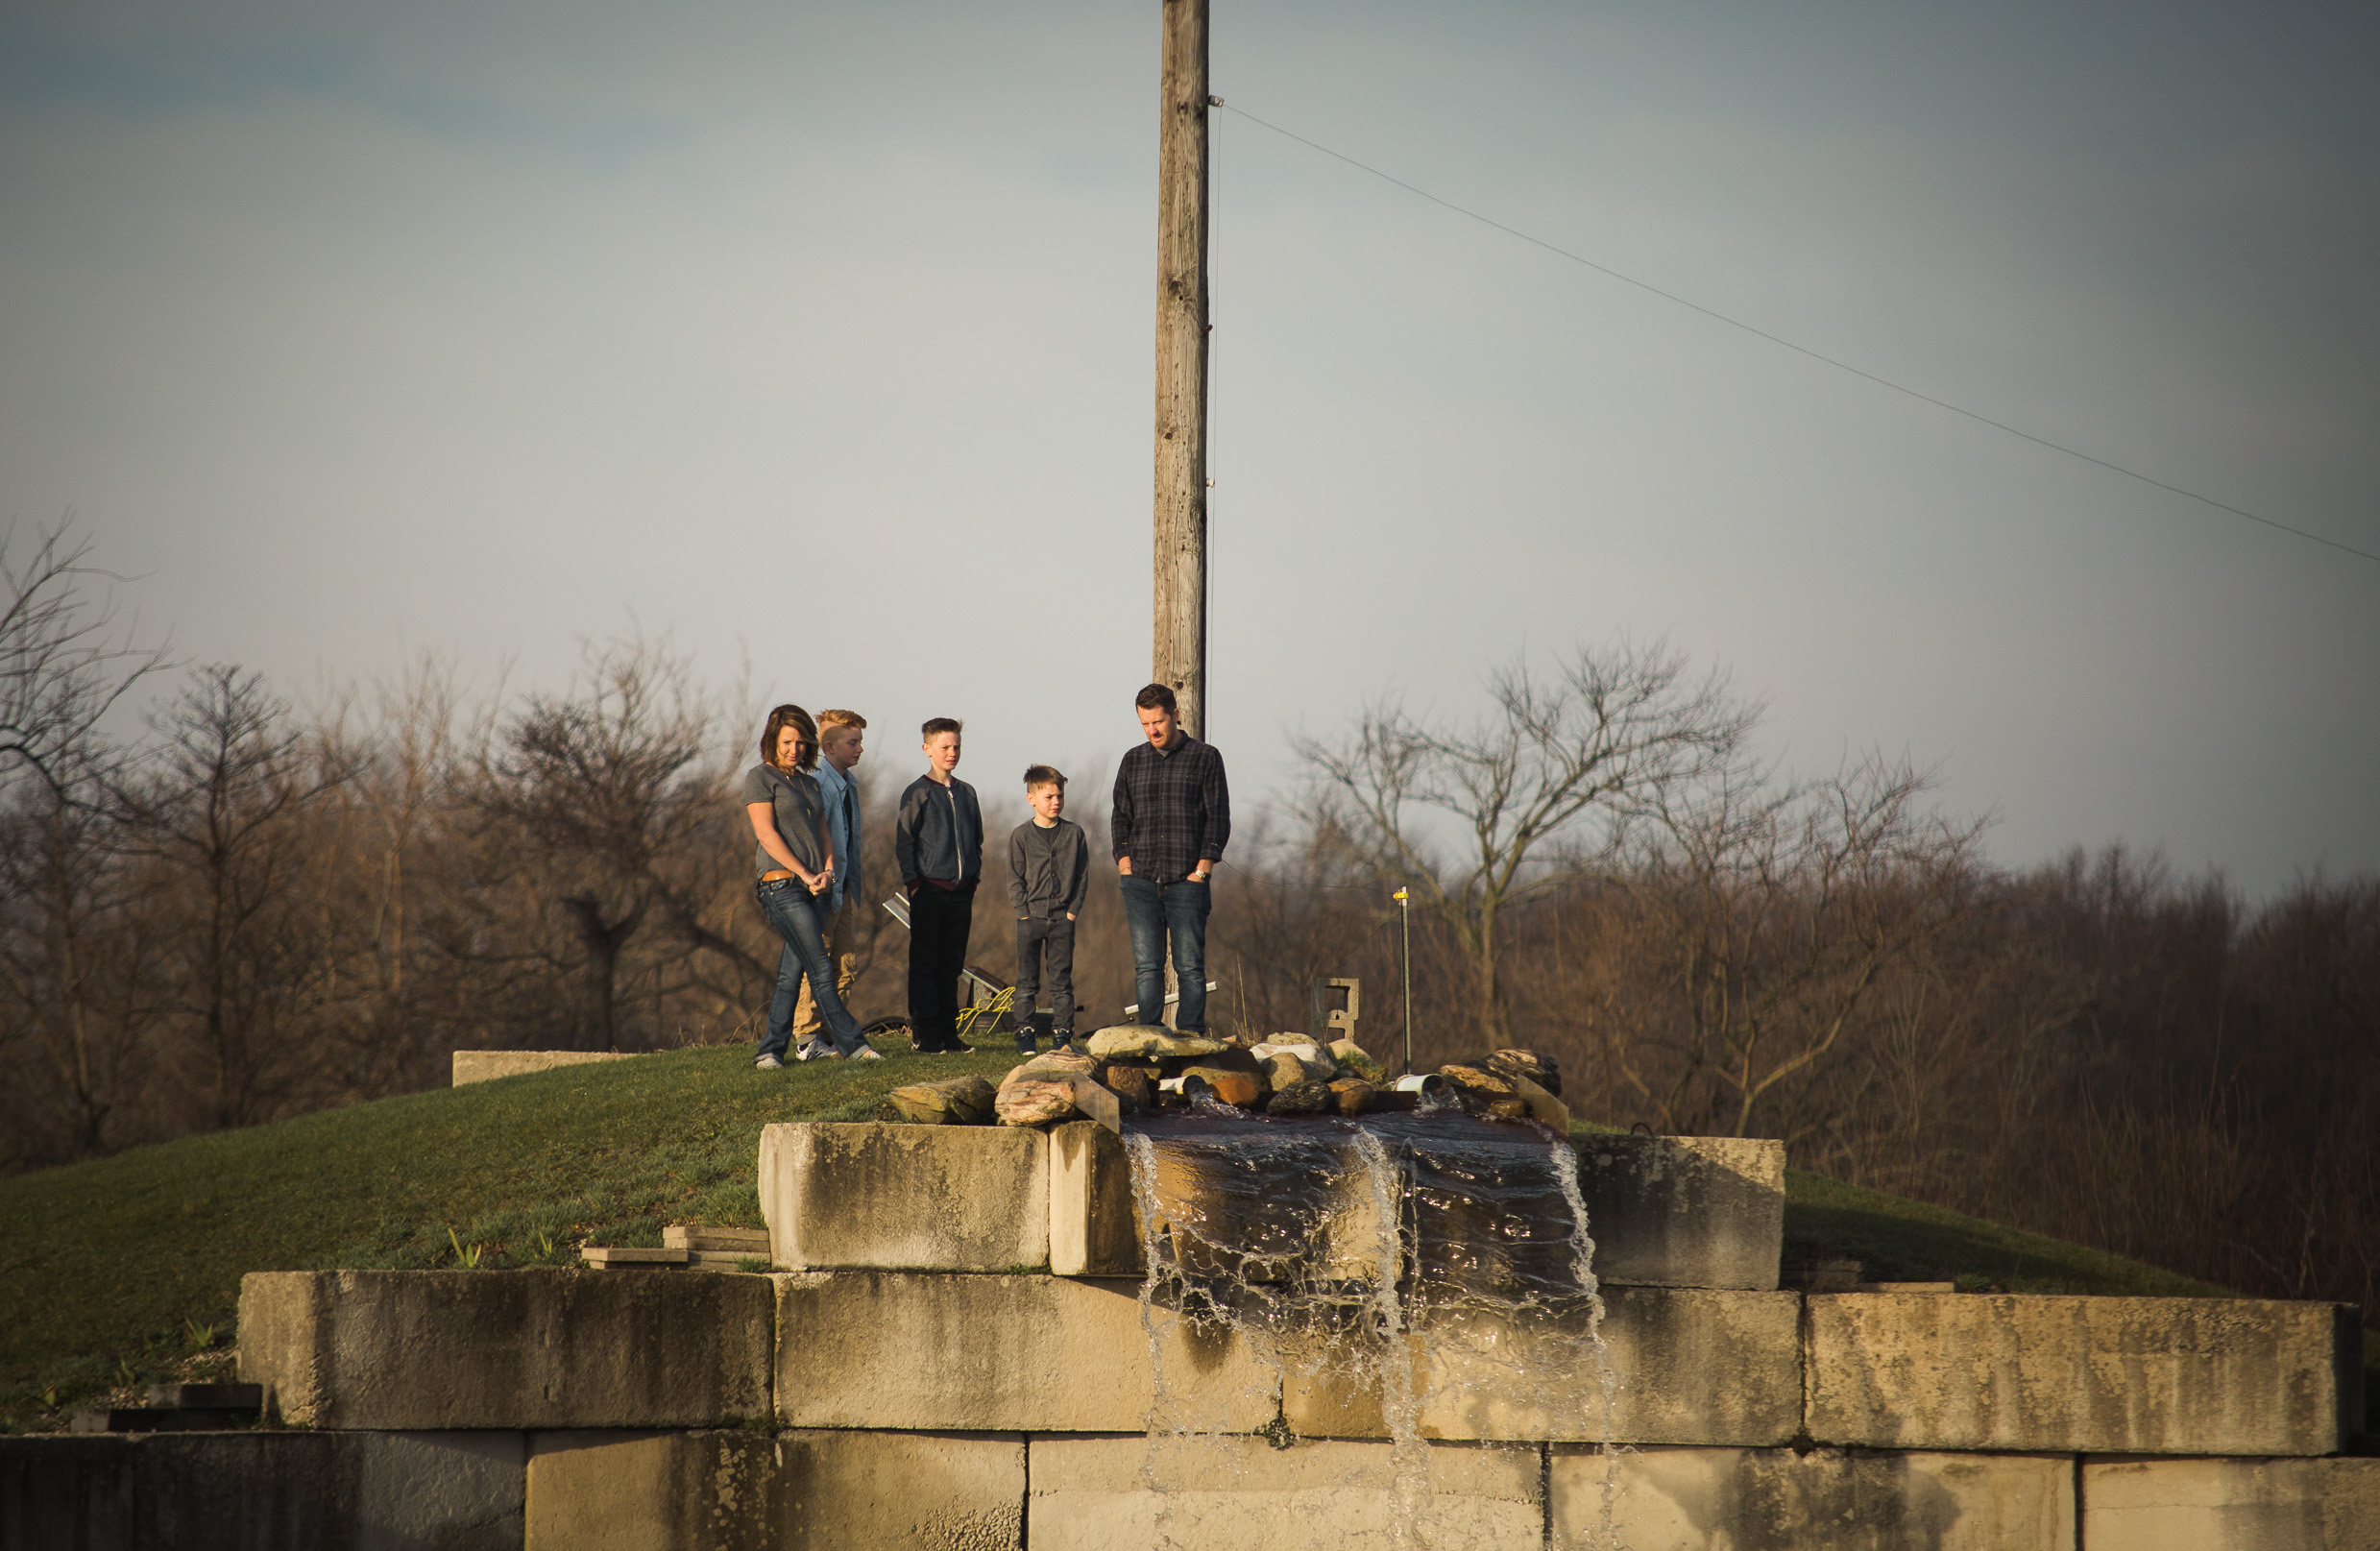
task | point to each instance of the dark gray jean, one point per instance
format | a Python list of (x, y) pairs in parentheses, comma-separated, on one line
[(1051, 940)]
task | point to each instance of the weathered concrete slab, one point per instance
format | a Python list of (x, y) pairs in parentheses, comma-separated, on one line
[(876, 1196), (1691, 1365), (409, 1349), (486, 1065), (263, 1491), (929, 1491), (652, 1492), (1092, 1228), (1242, 1494), (2231, 1505), (1695, 1500), (2112, 1375), (974, 1353), (1685, 1211)]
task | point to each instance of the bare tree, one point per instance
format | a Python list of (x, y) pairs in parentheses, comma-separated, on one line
[(1479, 818), (61, 669)]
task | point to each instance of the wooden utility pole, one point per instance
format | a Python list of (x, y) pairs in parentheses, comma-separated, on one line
[(1180, 612)]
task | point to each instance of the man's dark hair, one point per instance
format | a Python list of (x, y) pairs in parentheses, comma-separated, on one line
[(1153, 697), (1043, 775), (940, 725)]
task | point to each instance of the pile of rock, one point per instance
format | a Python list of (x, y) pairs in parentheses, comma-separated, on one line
[(1509, 1084)]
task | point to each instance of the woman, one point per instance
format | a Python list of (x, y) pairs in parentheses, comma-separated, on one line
[(796, 868)]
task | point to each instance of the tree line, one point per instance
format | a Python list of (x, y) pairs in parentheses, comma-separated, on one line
[(245, 909)]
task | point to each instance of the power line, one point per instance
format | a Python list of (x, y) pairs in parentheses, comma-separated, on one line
[(1799, 349)]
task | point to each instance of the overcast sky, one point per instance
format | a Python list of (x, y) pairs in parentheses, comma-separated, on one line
[(819, 338)]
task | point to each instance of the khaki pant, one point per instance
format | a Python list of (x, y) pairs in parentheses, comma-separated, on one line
[(839, 928)]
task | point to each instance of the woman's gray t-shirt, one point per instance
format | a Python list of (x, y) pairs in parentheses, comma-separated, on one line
[(800, 808)]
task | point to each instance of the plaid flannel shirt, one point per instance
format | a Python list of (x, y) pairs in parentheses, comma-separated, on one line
[(1172, 808)]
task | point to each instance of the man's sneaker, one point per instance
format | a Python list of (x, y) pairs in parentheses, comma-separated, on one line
[(769, 1063), (1066, 1042), (1024, 1047), (817, 1050), (801, 1051), (867, 1052)]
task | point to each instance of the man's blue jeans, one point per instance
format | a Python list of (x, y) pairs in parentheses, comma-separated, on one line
[(1153, 913), (792, 910)]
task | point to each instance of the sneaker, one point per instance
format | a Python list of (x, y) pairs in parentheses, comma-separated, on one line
[(1024, 1047), (867, 1052), (801, 1051), (769, 1063), (817, 1050)]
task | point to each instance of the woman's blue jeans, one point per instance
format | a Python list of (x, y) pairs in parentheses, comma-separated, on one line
[(1176, 911), (794, 912)]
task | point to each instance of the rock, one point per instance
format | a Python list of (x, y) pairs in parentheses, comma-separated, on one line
[(951, 1101), (1033, 1101), (1284, 1071), (1230, 1059), (1131, 1084), (1148, 1040), (1293, 1039), (1238, 1089), (1055, 1067), (1310, 1097), (1542, 1070), (1351, 1096), (1310, 1055), (1477, 1079), (1349, 1057)]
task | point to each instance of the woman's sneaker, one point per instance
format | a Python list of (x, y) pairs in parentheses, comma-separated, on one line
[(867, 1052), (768, 1063), (817, 1050)]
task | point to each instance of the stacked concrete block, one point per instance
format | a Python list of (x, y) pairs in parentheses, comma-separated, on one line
[(263, 1491), (1491, 1375), (1685, 1211), (1243, 1495), (1093, 1232), (2129, 1375), (408, 1350), (1690, 1499), (995, 1353), (2231, 1505), (906, 1197)]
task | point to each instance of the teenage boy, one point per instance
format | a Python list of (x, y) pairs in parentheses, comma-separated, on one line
[(841, 739), (1172, 816), (1049, 877), (939, 842)]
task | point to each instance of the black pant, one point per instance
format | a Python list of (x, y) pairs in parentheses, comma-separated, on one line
[(938, 921), (1054, 936)]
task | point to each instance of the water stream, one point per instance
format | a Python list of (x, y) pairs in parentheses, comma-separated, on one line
[(1428, 1264)]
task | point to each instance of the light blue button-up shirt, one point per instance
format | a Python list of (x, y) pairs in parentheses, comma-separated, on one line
[(842, 830)]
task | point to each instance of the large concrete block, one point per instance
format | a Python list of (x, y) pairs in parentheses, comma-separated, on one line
[(1733, 1500), (485, 1065), (1689, 1366), (2113, 1376), (405, 1350), (2231, 1505), (652, 1492), (1242, 1494), (263, 1491), (1093, 1232), (876, 1196), (925, 1492), (884, 1349), (1685, 1211)]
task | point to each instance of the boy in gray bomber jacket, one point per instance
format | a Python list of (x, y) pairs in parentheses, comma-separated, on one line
[(1049, 878)]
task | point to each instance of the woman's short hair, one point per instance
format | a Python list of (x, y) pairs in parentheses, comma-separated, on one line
[(795, 717)]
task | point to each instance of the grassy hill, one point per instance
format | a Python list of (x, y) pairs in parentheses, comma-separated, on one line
[(126, 1270)]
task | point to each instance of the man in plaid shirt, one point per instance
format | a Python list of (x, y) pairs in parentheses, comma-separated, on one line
[(1172, 814)]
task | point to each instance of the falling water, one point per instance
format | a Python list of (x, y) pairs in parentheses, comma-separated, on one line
[(1347, 1253)]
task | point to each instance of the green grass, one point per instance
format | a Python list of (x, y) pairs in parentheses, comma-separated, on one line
[(126, 1270)]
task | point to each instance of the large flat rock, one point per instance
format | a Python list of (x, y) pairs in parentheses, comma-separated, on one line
[(411, 1349), (487, 1065), (1687, 1366), (882, 1196), (1694, 1499), (1685, 1211), (1242, 1494), (263, 1491), (2109, 1375), (976, 1353), (2231, 1505)]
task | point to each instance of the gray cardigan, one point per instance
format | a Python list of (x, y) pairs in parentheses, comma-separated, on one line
[(1048, 870)]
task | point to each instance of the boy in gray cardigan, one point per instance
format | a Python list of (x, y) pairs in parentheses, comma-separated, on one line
[(1049, 877)]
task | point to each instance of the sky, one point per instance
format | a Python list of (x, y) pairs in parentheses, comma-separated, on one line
[(817, 341)]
